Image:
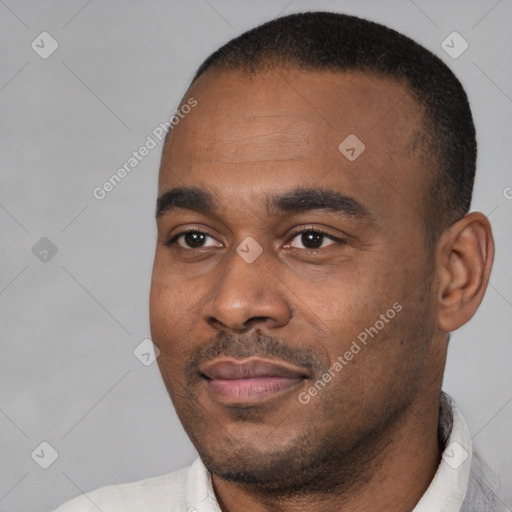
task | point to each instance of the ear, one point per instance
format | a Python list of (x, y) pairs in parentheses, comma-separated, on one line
[(465, 254)]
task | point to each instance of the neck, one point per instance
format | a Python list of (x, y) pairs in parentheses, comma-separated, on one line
[(400, 466)]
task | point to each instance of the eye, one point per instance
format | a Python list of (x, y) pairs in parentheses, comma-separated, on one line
[(194, 240), (312, 239)]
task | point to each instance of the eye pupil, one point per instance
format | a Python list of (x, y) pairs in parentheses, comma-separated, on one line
[(194, 239), (312, 240)]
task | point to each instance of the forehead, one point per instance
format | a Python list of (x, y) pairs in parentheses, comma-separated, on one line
[(270, 130)]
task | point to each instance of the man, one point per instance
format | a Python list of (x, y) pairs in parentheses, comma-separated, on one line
[(314, 252)]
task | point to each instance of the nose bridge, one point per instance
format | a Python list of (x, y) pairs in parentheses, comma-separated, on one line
[(246, 292)]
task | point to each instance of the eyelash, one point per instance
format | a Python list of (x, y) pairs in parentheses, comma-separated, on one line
[(172, 240)]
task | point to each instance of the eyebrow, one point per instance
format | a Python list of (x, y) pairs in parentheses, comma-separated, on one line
[(187, 198), (301, 199), (307, 199)]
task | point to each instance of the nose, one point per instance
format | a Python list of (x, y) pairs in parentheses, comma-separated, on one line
[(247, 295)]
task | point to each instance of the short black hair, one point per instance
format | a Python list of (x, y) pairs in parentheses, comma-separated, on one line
[(325, 41)]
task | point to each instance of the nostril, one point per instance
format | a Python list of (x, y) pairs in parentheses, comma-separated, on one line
[(256, 319)]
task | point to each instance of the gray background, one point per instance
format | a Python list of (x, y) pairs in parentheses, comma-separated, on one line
[(69, 325)]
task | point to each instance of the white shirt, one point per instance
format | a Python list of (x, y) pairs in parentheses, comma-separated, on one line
[(458, 485)]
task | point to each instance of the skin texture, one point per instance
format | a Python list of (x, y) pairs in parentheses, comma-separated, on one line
[(372, 430)]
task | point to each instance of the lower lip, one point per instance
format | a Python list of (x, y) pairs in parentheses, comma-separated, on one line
[(238, 391)]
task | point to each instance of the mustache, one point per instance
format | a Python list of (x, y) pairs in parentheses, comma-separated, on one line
[(252, 344)]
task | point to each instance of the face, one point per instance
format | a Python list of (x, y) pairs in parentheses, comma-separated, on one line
[(292, 295)]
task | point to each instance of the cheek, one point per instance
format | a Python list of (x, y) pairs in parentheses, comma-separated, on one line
[(375, 306), (160, 305), (170, 297), (346, 301), (166, 332), (168, 307)]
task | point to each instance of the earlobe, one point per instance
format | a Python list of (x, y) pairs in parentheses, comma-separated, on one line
[(464, 260)]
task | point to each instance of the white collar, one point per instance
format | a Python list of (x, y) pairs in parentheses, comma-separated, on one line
[(446, 491), (448, 487), (199, 493)]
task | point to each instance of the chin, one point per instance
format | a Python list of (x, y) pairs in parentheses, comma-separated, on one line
[(251, 467), (247, 455), (284, 465)]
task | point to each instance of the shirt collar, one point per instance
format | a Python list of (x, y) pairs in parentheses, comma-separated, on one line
[(446, 491)]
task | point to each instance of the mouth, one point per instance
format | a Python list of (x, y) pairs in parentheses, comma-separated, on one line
[(249, 381)]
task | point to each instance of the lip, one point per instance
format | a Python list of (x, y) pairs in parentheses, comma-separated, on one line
[(248, 381)]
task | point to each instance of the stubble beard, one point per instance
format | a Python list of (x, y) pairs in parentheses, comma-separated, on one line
[(335, 456), (319, 462)]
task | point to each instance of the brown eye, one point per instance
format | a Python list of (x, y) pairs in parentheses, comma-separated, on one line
[(311, 240), (195, 240)]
